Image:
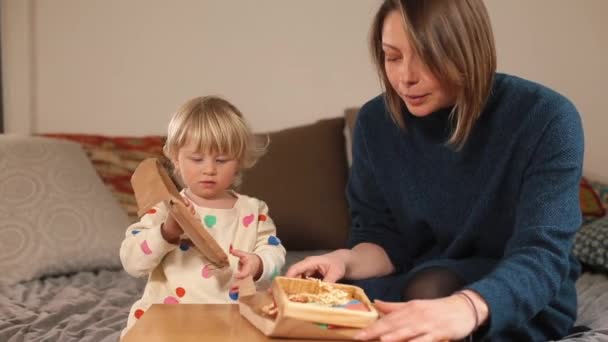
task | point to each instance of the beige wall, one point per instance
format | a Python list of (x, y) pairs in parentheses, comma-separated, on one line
[(563, 44), (121, 66)]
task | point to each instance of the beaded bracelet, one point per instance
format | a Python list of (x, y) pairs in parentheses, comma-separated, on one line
[(468, 298)]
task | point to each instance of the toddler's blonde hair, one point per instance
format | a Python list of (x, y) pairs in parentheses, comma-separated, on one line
[(216, 126)]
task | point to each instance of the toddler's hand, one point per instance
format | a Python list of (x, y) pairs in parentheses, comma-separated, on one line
[(188, 204), (171, 230), (249, 264)]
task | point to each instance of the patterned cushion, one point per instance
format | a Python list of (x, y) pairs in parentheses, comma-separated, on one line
[(591, 244), (591, 206), (601, 190), (56, 216), (115, 159), (599, 195)]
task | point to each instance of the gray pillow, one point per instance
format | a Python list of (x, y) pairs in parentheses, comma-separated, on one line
[(56, 216)]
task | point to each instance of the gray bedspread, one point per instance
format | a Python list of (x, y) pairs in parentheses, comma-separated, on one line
[(592, 290), (84, 307), (93, 307)]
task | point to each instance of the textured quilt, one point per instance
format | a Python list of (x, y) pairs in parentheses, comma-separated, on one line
[(93, 307)]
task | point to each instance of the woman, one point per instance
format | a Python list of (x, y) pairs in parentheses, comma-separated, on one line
[(464, 187)]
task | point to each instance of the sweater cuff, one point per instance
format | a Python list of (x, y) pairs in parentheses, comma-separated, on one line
[(490, 290), (269, 270)]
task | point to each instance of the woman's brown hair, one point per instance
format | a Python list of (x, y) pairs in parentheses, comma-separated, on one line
[(454, 40)]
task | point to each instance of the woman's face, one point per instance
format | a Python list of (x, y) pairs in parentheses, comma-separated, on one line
[(407, 74)]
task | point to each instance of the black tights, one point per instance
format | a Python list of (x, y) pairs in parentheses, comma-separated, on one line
[(433, 282)]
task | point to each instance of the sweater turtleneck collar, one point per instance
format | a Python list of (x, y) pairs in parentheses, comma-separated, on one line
[(436, 126)]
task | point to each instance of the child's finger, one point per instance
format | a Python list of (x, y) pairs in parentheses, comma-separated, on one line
[(238, 253), (188, 204), (243, 272)]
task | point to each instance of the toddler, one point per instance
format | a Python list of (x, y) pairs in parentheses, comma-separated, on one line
[(209, 144)]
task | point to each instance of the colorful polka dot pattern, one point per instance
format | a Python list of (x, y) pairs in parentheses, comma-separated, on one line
[(234, 293), (210, 221), (275, 273), (184, 245), (170, 300), (247, 220), (273, 240), (206, 271), (138, 313), (179, 292), (145, 248)]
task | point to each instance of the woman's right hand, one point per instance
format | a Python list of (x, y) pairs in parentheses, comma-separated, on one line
[(332, 266)]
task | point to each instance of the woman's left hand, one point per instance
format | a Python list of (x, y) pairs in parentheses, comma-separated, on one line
[(443, 319), (250, 264)]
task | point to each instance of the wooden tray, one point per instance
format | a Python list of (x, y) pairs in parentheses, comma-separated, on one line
[(282, 287), (152, 185), (298, 320)]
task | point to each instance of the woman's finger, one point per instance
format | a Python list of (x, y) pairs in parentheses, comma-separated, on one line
[(387, 307), (332, 275), (374, 331), (405, 335), (302, 267)]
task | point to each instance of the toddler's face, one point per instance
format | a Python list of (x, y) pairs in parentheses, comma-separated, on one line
[(206, 175)]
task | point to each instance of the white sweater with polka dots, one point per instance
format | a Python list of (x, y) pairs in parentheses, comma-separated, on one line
[(178, 273)]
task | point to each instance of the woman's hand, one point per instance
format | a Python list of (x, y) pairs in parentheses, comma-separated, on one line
[(443, 319), (331, 266), (250, 264)]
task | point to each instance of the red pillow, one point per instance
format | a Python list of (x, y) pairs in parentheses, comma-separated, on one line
[(591, 205)]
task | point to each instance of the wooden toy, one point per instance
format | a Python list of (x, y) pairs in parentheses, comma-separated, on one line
[(152, 185), (291, 311)]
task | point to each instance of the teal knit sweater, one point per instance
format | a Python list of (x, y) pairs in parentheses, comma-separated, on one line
[(509, 195)]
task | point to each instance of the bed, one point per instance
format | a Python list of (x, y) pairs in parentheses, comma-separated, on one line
[(61, 228), (93, 307), (83, 306)]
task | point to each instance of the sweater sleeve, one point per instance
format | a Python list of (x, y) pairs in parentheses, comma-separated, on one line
[(372, 221), (268, 246), (536, 258), (144, 246)]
